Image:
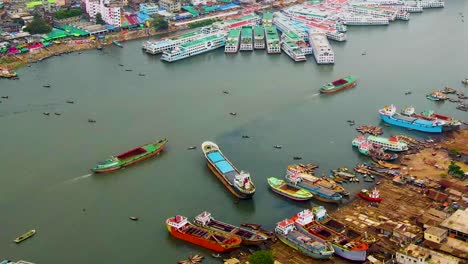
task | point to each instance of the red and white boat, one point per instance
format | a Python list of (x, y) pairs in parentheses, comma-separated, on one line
[(373, 196)]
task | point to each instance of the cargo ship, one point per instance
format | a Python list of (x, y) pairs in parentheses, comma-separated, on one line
[(350, 248), (259, 37), (249, 238), (232, 42), (237, 182), (288, 190), (272, 40), (320, 193), (131, 157), (321, 182), (192, 48), (391, 144), (408, 119), (181, 228), (303, 242), (338, 85), (246, 38)]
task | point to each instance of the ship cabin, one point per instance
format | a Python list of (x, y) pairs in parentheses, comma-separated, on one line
[(304, 217), (358, 141), (203, 218), (285, 226), (320, 212), (177, 221)]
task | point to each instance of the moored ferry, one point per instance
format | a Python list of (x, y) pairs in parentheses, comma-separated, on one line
[(407, 119), (179, 227), (246, 38), (293, 51), (340, 84), (259, 37), (321, 182), (159, 46), (8, 74), (195, 47), (392, 143), (322, 50), (348, 247), (363, 20), (232, 42), (299, 41), (130, 157), (320, 193), (303, 242), (237, 182), (248, 237), (272, 40)]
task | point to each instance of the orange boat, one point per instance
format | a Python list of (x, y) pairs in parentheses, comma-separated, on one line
[(181, 228)]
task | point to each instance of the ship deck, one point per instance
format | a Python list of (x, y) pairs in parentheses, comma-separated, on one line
[(222, 165)]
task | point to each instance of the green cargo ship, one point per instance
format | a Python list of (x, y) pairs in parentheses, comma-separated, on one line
[(340, 84)]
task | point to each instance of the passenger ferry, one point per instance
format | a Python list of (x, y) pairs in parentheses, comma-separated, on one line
[(267, 19), (392, 143), (195, 47), (284, 24), (159, 46), (361, 20), (232, 42), (246, 38), (300, 42), (322, 50), (426, 3), (408, 8), (293, 51), (259, 37), (403, 15), (246, 20), (390, 14), (272, 40)]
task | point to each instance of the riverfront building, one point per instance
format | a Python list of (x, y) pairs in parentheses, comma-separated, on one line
[(110, 10)]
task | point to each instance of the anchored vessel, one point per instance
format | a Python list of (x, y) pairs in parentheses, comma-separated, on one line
[(131, 157), (25, 236), (232, 42), (323, 52), (272, 40), (181, 228), (293, 51), (321, 182), (288, 190), (8, 74), (118, 44), (373, 196), (347, 245), (246, 38), (392, 143), (248, 237), (195, 47), (259, 37), (155, 47), (364, 20), (307, 244), (340, 84), (376, 151), (409, 120), (237, 182), (320, 193)]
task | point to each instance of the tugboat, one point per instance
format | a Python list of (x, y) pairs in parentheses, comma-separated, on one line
[(237, 182), (249, 238), (374, 196), (181, 228), (131, 157), (306, 243), (436, 96)]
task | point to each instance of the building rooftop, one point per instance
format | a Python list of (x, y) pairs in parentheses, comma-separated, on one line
[(429, 256), (435, 231), (457, 221)]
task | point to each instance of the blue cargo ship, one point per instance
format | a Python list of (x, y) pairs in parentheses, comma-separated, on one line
[(412, 121), (320, 193)]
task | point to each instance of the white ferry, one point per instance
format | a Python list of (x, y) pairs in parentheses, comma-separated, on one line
[(259, 37), (323, 52), (403, 15), (337, 36), (300, 42), (408, 8), (426, 3), (232, 42), (391, 144), (158, 46), (272, 40), (360, 20), (195, 47), (376, 12), (293, 51), (247, 20), (246, 38), (285, 24)]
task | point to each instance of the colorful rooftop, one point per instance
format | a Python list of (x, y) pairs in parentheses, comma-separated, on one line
[(33, 4), (73, 31), (56, 34), (199, 41)]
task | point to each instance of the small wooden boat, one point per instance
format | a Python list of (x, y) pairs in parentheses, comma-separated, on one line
[(25, 236), (192, 147), (297, 158), (8, 74), (133, 218), (131, 157), (248, 237), (288, 190), (115, 42), (387, 164), (374, 196), (181, 228)]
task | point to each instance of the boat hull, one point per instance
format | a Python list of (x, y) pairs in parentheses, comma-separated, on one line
[(231, 188), (197, 241), (367, 198), (317, 196), (405, 124), (305, 252), (287, 195), (347, 86)]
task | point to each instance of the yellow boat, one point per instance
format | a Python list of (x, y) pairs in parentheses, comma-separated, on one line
[(25, 236)]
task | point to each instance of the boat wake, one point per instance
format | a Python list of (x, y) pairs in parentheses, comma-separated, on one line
[(78, 178)]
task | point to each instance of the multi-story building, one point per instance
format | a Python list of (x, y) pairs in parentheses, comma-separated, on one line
[(149, 8), (172, 6), (435, 234), (414, 254), (456, 225), (110, 10)]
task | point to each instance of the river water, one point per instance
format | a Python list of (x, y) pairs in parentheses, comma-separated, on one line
[(45, 182)]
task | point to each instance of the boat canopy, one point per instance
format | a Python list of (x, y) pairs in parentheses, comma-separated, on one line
[(215, 157), (220, 162)]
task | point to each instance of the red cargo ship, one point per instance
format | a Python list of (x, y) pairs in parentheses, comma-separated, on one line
[(181, 228)]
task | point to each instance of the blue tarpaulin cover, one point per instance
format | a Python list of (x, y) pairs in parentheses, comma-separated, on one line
[(224, 166), (215, 157)]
